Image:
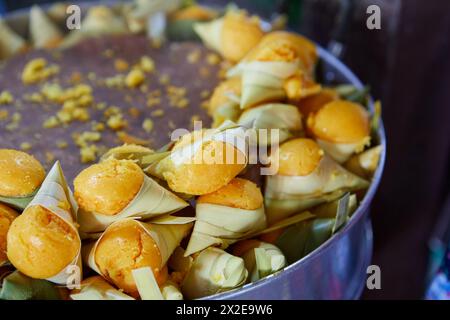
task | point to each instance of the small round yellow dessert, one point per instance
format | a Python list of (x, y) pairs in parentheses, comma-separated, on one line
[(108, 187), (239, 193), (298, 157), (20, 173), (124, 247), (285, 46), (340, 121), (211, 167), (7, 215), (220, 95), (315, 102), (240, 34), (40, 244)]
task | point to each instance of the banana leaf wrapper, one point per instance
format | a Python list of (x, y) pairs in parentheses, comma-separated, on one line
[(17, 286), (280, 116), (182, 30), (10, 42), (228, 111), (326, 183), (365, 163), (44, 33), (96, 288), (351, 93), (263, 260), (221, 226), (213, 271), (210, 33), (55, 196), (19, 203), (341, 152), (143, 158), (263, 81), (151, 201), (300, 239), (146, 284), (171, 291), (167, 232), (229, 133)]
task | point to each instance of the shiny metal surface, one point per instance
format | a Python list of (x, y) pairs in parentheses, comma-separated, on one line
[(337, 269)]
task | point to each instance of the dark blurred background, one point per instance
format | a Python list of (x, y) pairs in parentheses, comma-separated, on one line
[(407, 66)]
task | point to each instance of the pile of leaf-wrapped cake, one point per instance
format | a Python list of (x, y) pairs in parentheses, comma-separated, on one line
[(175, 219)]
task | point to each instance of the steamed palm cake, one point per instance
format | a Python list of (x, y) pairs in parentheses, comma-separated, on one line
[(103, 92)]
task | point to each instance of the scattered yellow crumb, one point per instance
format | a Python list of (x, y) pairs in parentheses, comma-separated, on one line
[(62, 144), (116, 81), (108, 53), (35, 97), (193, 56), (92, 76), (6, 97), (147, 64), (157, 113), (116, 122), (98, 126), (76, 77), (121, 65), (147, 125), (16, 118), (51, 122), (212, 59), (25, 146), (153, 101), (37, 70), (88, 153), (82, 139), (100, 106), (134, 78)]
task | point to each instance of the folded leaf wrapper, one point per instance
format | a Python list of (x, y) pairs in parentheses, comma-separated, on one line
[(263, 260), (221, 226), (17, 286), (151, 201), (365, 163), (167, 232), (326, 183), (44, 33), (18, 203), (263, 81), (211, 33), (213, 271), (10, 42), (55, 196), (96, 288), (341, 152), (300, 239), (280, 116)]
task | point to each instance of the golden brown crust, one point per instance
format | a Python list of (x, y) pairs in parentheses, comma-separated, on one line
[(239, 193), (108, 187), (20, 173), (220, 94), (124, 247), (40, 244)]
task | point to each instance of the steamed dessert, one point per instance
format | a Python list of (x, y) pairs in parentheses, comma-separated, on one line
[(41, 244), (108, 187), (7, 216), (20, 173), (239, 193), (233, 35), (223, 104), (125, 247), (226, 215), (206, 167), (341, 128)]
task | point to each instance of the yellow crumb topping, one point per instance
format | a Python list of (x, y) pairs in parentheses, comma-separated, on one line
[(38, 70)]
